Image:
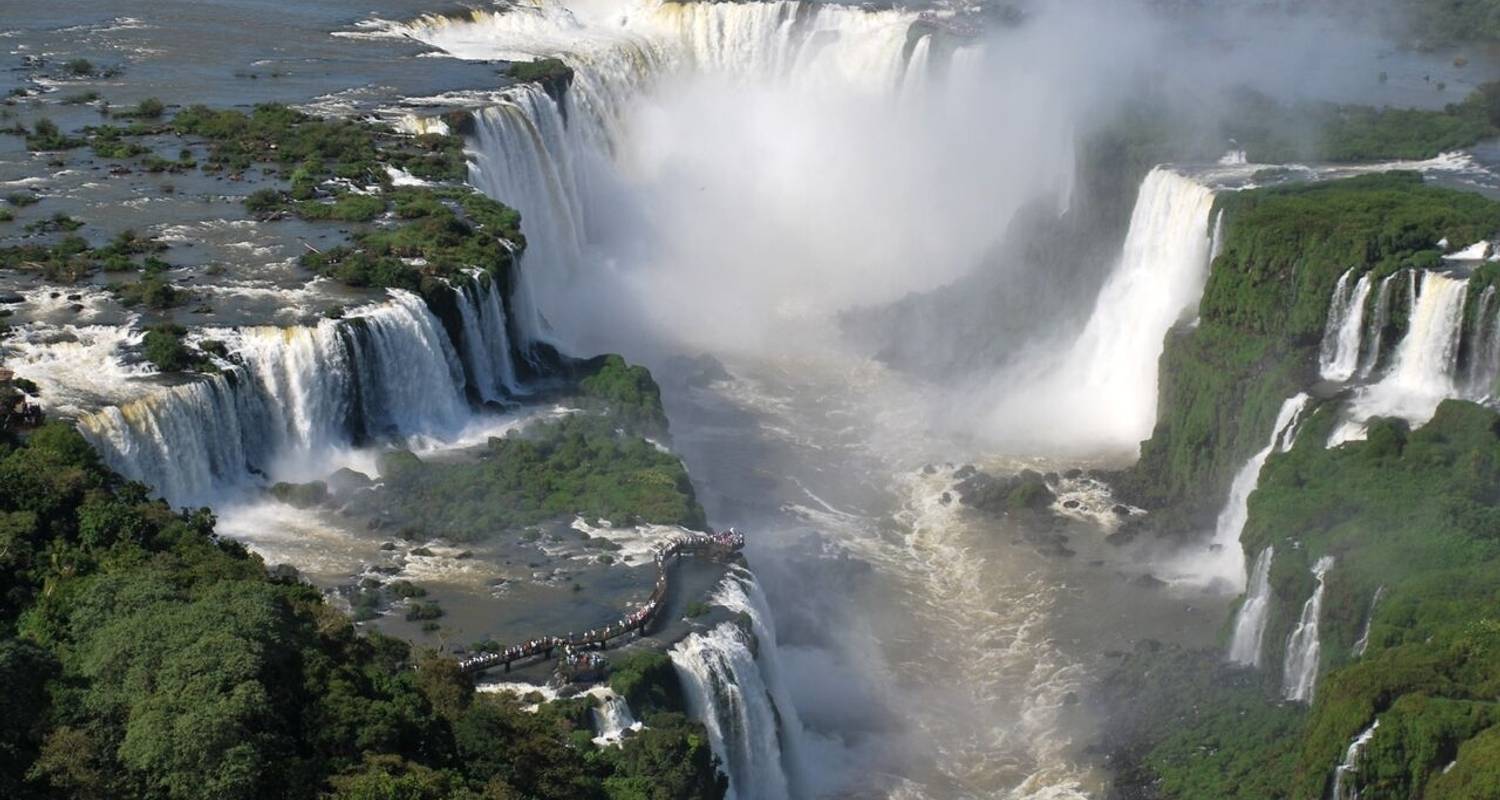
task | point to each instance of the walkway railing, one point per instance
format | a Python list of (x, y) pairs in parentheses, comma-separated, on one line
[(714, 545)]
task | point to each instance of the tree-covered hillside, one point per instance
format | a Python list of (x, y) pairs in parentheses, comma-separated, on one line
[(141, 656)]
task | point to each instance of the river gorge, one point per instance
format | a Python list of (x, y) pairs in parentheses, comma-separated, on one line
[(1054, 360)]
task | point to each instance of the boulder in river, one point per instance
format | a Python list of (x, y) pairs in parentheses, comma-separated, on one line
[(1025, 492)]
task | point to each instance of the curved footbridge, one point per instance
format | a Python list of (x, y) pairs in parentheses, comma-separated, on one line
[(720, 545)]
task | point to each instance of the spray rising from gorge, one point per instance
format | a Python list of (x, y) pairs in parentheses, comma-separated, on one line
[(739, 195)]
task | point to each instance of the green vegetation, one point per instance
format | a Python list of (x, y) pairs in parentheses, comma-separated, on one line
[(1185, 725), (541, 70), (551, 73), (46, 136), (1262, 317), (1023, 492), (56, 222), (647, 681), (1438, 22), (435, 234), (150, 108), (354, 150), (80, 99), (423, 611), (164, 346), (440, 233), (628, 392), (79, 67), (1415, 514), (1418, 513), (1154, 130), (142, 657), (1274, 133), (151, 291), (577, 465), (70, 259)]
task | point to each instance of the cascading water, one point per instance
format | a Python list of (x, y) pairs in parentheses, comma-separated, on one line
[(486, 342), (521, 152), (1484, 352), (1338, 358), (741, 593), (1424, 369), (1303, 649), (612, 718), (302, 394), (574, 161), (726, 692), (1228, 562), (1363, 642), (1370, 358), (1156, 283), (1245, 646), (1345, 774)]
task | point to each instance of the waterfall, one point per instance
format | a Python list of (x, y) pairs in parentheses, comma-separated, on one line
[(779, 40), (1425, 358), (1363, 642), (1484, 352), (918, 70), (1424, 369), (1155, 284), (521, 153), (725, 691), (300, 395), (485, 341), (1216, 247), (1371, 357), (1159, 278), (612, 718), (1230, 565), (556, 157), (741, 592), (1300, 668), (1343, 774), (1339, 356), (1250, 623)]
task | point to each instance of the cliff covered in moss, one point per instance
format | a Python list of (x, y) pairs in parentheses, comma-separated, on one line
[(1403, 523), (1263, 312)]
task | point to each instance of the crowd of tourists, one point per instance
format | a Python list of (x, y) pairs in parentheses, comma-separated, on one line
[(722, 541)]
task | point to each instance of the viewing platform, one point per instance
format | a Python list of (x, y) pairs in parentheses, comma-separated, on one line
[(573, 648)]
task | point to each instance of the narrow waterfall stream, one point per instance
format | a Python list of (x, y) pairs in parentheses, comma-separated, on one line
[(1304, 647)]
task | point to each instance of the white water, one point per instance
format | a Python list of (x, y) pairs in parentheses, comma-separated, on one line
[(1343, 774), (726, 692), (303, 398), (1370, 359), (1156, 284), (612, 718), (77, 367), (1303, 649), (485, 340), (524, 156), (740, 592), (1339, 356), (1226, 559), (1423, 370), (1247, 643), (1363, 642), (707, 113), (1484, 352)]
